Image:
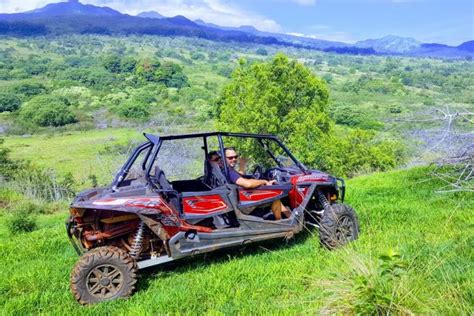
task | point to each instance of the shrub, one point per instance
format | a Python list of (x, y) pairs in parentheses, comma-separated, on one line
[(21, 221), (198, 56), (171, 75), (9, 102), (128, 64), (47, 111), (97, 78), (352, 152), (112, 63), (42, 184), (30, 89), (369, 287), (146, 68), (347, 115), (133, 109), (7, 165), (261, 51)]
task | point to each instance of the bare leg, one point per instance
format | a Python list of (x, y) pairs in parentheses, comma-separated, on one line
[(278, 208)]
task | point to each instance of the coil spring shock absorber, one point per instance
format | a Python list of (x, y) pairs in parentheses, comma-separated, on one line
[(323, 200), (138, 241)]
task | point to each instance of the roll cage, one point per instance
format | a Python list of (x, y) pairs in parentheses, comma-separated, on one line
[(154, 143)]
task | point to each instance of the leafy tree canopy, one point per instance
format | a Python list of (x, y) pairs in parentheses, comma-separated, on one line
[(171, 75), (9, 102), (279, 97), (284, 98), (47, 110)]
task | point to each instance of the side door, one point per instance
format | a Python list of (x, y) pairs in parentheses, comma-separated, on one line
[(200, 205), (260, 197)]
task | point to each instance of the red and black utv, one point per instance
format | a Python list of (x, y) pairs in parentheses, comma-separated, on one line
[(169, 201)]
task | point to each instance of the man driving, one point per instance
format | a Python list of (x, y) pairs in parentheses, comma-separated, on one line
[(235, 177)]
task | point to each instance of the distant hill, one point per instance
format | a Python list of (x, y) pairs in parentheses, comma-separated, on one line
[(467, 46), (150, 15), (73, 7), (410, 47), (75, 17), (390, 44)]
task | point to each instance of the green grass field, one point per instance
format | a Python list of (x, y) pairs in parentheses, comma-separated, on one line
[(398, 211), (76, 152)]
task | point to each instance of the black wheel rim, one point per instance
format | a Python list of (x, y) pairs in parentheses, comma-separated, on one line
[(345, 229), (104, 281)]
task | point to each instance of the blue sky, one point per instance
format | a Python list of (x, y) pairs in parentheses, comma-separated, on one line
[(442, 21)]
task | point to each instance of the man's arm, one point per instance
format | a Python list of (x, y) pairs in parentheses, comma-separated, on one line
[(252, 183)]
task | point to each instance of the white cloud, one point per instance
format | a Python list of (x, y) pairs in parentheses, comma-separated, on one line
[(304, 2), (14, 6), (220, 12)]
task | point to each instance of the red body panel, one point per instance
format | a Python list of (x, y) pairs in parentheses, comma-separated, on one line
[(299, 191), (256, 195), (203, 205), (156, 203)]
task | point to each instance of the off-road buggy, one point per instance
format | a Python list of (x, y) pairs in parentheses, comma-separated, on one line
[(168, 201)]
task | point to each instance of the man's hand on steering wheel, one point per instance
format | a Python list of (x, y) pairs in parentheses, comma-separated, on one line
[(258, 172)]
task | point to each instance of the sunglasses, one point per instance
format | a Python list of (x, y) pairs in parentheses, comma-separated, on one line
[(232, 157), (216, 159)]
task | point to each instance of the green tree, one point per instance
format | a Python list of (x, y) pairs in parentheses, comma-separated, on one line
[(9, 102), (47, 110), (112, 63), (261, 51), (128, 64), (133, 109), (146, 69), (284, 98), (279, 97), (171, 75), (29, 89)]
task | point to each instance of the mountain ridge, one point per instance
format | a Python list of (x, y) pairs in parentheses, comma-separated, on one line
[(75, 17)]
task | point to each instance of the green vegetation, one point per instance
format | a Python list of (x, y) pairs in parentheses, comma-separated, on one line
[(284, 98), (414, 255), (47, 111), (21, 219), (9, 102), (72, 107)]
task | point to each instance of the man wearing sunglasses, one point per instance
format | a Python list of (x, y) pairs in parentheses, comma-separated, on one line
[(235, 177)]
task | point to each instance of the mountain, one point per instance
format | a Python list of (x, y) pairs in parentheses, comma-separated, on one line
[(150, 15), (74, 17), (243, 28), (397, 45), (390, 44), (182, 21), (73, 7), (467, 46)]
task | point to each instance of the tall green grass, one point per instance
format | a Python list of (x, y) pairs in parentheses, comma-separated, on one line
[(414, 255)]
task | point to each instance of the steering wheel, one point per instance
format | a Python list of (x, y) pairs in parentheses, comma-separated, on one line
[(258, 171), (275, 174)]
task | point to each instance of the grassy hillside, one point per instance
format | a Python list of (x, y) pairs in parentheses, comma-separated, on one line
[(414, 255)]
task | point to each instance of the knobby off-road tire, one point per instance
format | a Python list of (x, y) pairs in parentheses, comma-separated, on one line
[(103, 274), (338, 226)]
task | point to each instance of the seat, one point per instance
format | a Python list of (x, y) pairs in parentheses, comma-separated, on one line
[(164, 184), (213, 176)]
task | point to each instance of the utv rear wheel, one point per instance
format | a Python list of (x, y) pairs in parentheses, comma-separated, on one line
[(338, 226), (103, 274)]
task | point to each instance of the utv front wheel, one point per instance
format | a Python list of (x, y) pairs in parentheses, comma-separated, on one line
[(338, 226), (103, 274)]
